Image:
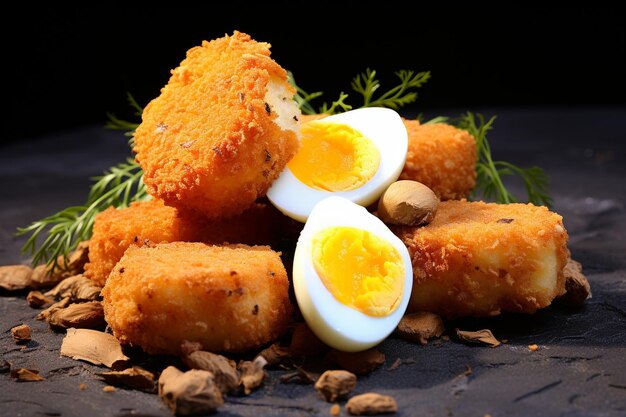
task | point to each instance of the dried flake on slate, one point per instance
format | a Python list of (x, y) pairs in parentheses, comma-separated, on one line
[(36, 299), (223, 369), (48, 312), (26, 375), (88, 315), (420, 326), (335, 384), (370, 404), (77, 288), (335, 410), (21, 333), (95, 347), (576, 285), (82, 387), (108, 388), (359, 363), (533, 348), (398, 362), (15, 277), (299, 375), (252, 374), (189, 393), (275, 354), (482, 336), (135, 378)]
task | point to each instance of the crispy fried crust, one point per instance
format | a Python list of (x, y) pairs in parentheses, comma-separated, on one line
[(229, 299), (211, 142), (116, 229), (478, 259), (441, 157)]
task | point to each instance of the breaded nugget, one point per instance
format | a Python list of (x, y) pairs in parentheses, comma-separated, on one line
[(229, 299), (116, 229), (441, 157), (478, 259), (222, 129)]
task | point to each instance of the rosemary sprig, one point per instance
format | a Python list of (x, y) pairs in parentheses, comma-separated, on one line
[(118, 187)]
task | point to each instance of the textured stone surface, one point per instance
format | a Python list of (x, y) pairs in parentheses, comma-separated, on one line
[(578, 370)]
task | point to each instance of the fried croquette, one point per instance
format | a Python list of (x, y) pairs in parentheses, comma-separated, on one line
[(227, 298), (478, 259), (441, 157), (116, 229), (222, 129)]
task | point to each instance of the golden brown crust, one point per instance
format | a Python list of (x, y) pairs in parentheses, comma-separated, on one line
[(229, 299), (208, 142), (441, 157), (478, 259), (116, 229)]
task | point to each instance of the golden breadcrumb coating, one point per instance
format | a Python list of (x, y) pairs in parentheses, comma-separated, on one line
[(222, 129), (478, 259), (116, 229), (229, 299), (441, 157)]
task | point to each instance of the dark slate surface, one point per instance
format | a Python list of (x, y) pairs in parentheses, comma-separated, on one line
[(579, 369)]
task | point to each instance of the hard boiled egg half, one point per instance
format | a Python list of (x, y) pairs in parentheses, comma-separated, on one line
[(352, 276), (356, 155)]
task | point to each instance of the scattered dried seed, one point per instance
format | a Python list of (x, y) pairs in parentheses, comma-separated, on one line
[(252, 374), (371, 404), (335, 410), (36, 299), (82, 387), (26, 375), (77, 288), (223, 369), (95, 347), (21, 333), (576, 285), (108, 388), (135, 378), (333, 385), (483, 336), (420, 326), (88, 315), (189, 393), (533, 347), (15, 277), (359, 363)]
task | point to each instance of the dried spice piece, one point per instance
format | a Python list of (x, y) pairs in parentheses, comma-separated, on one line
[(359, 363), (223, 369), (275, 354), (108, 388), (333, 385), (82, 316), (371, 404), (576, 285), (21, 333), (77, 288), (304, 342), (26, 375), (15, 277), (483, 336), (59, 305), (335, 410), (299, 376), (45, 276), (95, 347), (420, 326), (252, 374), (82, 387), (36, 299), (189, 393), (135, 378), (533, 348)]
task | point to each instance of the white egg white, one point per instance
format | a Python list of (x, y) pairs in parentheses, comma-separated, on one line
[(384, 127), (336, 324)]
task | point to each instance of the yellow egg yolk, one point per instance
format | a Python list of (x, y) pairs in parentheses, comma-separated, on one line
[(334, 157), (360, 269)]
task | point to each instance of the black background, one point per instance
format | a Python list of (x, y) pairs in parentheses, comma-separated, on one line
[(68, 66)]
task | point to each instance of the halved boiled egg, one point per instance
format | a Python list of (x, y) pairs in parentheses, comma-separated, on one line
[(355, 155), (352, 276)]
